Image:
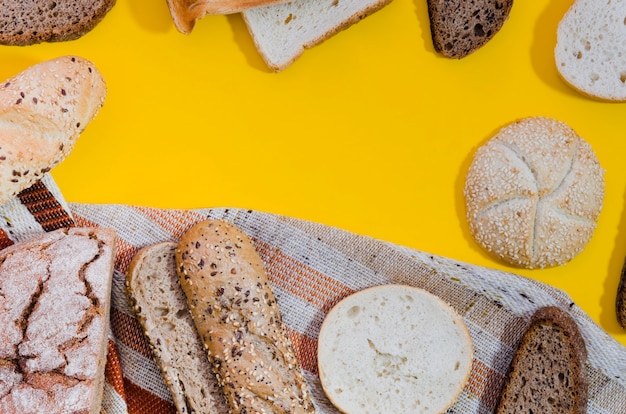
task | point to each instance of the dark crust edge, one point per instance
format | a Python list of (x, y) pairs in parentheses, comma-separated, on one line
[(552, 315), (620, 302), (70, 32)]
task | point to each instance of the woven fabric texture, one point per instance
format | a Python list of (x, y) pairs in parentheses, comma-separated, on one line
[(311, 267)]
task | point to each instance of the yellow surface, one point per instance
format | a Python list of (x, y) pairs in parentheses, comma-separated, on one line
[(371, 131)]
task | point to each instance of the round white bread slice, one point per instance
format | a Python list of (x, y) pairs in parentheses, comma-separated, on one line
[(393, 349)]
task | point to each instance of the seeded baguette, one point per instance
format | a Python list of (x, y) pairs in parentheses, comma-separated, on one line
[(239, 321), (161, 308)]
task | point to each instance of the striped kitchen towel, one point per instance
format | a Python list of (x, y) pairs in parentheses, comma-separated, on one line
[(312, 267)]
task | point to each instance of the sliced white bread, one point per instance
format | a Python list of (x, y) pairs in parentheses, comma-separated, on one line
[(393, 349), (590, 53), (282, 32)]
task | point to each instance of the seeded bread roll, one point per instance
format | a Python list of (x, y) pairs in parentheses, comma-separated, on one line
[(239, 321), (534, 193), (161, 308), (547, 374)]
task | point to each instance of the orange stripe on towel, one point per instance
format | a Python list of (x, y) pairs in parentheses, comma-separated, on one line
[(46, 209)]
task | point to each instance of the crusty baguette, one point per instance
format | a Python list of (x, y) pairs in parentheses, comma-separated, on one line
[(161, 307), (239, 321), (34, 21), (589, 49), (43, 110), (283, 31), (54, 316), (547, 374), (185, 13)]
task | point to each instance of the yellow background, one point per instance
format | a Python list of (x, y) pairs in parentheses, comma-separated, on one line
[(372, 131)]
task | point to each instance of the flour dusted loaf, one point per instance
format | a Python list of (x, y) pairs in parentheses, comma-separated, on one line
[(282, 32), (393, 349), (547, 374), (534, 193), (239, 321), (161, 307), (54, 313), (43, 110), (460, 27), (589, 51), (27, 22)]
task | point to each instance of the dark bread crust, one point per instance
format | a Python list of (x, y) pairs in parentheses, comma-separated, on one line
[(460, 27), (30, 22), (548, 371), (620, 303)]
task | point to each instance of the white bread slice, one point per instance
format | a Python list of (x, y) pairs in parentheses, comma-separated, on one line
[(589, 52), (54, 321), (282, 32), (393, 349), (161, 308)]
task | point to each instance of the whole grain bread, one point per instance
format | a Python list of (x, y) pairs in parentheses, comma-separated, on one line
[(238, 318), (589, 51), (54, 321), (460, 27), (43, 111), (393, 349), (27, 22), (282, 32), (161, 308), (620, 301), (534, 193), (547, 373)]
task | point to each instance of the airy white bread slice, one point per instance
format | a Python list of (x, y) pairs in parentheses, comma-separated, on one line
[(393, 349), (282, 32), (590, 50), (161, 307), (186, 13), (54, 321), (43, 110)]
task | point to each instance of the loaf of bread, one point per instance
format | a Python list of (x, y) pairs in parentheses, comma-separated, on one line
[(534, 193), (460, 27), (54, 313), (161, 307), (589, 51), (547, 374), (34, 21), (393, 349), (283, 31), (237, 316), (43, 110)]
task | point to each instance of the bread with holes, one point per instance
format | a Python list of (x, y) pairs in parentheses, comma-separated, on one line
[(534, 193), (393, 349), (55, 299), (29, 22), (238, 318), (282, 32), (589, 51), (43, 111), (547, 373), (161, 308)]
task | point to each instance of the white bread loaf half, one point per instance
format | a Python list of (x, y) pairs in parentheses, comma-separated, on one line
[(534, 193), (161, 307), (282, 32), (590, 49), (238, 318), (43, 110), (393, 349), (54, 321)]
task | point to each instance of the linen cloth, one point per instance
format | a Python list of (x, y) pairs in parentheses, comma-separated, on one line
[(311, 267)]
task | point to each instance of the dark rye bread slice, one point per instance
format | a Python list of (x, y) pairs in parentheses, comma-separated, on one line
[(620, 303), (460, 27), (27, 22), (547, 374)]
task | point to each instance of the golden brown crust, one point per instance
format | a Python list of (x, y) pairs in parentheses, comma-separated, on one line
[(238, 319)]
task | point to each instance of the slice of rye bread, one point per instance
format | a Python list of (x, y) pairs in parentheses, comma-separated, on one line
[(547, 374), (460, 27), (620, 302), (27, 22), (161, 307)]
